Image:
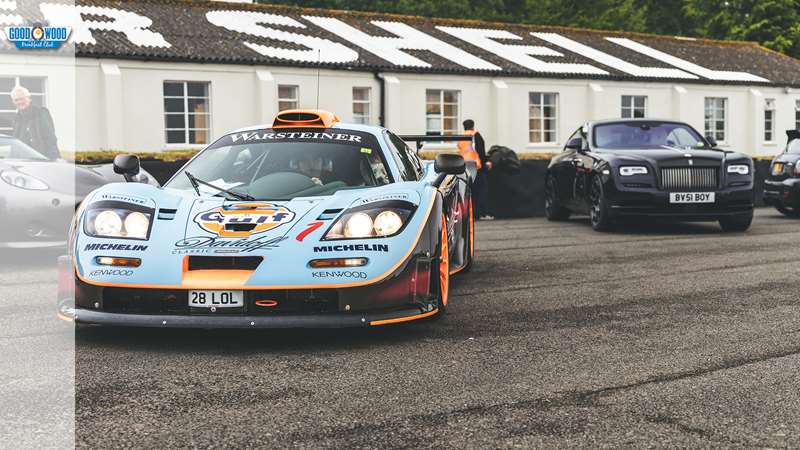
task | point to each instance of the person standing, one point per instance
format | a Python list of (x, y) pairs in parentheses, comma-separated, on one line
[(33, 124), (475, 150)]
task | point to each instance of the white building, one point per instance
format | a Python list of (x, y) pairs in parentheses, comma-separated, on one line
[(152, 76)]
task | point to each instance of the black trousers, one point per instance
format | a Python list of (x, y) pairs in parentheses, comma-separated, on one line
[(481, 188)]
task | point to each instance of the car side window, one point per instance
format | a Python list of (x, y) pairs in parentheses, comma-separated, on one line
[(409, 171)]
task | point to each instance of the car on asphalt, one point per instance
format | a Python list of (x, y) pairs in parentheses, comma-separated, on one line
[(307, 222), (646, 168), (38, 196), (782, 185)]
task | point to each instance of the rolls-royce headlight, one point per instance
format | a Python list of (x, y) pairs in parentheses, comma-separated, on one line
[(627, 171), (23, 180), (741, 169), (375, 220), (117, 223)]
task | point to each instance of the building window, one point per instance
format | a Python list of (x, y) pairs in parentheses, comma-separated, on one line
[(187, 115), (542, 117), (634, 106), (35, 85), (442, 111), (769, 120), (797, 114), (716, 115), (361, 105), (288, 97)]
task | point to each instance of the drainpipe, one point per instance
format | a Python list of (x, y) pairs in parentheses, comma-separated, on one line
[(382, 96)]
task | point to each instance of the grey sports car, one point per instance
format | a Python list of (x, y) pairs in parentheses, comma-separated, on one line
[(38, 196)]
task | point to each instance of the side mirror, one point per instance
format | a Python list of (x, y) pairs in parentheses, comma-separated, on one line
[(575, 144), (448, 164), (127, 166), (711, 141)]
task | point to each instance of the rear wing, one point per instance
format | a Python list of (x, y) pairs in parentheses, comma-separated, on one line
[(420, 139)]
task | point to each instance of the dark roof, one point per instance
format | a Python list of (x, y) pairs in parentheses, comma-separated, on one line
[(193, 38)]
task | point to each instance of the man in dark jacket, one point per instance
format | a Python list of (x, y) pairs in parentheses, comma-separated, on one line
[(482, 180), (33, 124)]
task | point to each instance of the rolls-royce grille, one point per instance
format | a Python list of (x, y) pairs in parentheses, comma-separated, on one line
[(689, 178)]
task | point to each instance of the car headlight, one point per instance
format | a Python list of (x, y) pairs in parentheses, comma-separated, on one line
[(627, 171), (741, 169), (23, 181), (380, 219), (120, 223)]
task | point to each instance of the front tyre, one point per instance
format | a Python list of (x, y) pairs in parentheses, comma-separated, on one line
[(441, 273), (552, 206), (736, 223), (599, 213)]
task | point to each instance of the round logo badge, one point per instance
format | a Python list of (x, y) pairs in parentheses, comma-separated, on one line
[(244, 219), (37, 33)]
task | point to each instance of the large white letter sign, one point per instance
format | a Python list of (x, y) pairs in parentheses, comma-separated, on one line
[(518, 54), (132, 25), (389, 48), (611, 61), (249, 22), (686, 65), (9, 19)]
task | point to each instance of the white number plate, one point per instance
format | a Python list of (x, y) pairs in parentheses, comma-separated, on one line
[(691, 197), (216, 299)]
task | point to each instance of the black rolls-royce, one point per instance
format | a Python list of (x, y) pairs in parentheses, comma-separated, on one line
[(617, 169), (782, 186)]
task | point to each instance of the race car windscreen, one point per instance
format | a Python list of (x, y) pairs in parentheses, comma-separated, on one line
[(646, 135), (284, 164), (11, 148)]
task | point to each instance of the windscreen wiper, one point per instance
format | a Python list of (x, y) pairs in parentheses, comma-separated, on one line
[(196, 182)]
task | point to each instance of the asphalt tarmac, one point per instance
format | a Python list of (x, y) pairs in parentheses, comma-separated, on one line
[(650, 336)]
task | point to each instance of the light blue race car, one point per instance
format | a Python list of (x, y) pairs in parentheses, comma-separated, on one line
[(308, 223)]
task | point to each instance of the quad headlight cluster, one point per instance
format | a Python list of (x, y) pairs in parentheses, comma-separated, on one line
[(382, 219), (118, 223), (23, 180)]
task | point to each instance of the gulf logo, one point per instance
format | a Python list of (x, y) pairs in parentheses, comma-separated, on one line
[(244, 219)]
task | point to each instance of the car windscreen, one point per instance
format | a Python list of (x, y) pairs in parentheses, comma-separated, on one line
[(284, 164), (11, 148), (646, 135), (793, 147)]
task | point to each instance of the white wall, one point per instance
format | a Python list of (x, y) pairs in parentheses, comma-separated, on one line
[(121, 105)]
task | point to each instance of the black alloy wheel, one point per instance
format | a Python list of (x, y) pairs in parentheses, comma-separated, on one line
[(598, 211), (552, 207)]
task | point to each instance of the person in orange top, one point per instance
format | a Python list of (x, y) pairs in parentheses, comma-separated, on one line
[(475, 150)]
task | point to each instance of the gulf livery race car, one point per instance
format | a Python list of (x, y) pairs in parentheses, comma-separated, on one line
[(307, 223)]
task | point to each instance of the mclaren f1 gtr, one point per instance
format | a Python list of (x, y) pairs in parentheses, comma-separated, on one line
[(308, 222), (646, 168)]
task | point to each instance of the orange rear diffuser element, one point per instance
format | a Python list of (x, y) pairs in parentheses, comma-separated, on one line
[(304, 118)]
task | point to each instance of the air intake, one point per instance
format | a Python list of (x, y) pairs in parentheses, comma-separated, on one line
[(224, 262), (301, 118)]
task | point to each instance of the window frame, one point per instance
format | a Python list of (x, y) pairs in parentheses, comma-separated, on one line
[(714, 119), (10, 130), (295, 100), (186, 129), (769, 120), (631, 106), (366, 119), (797, 114), (442, 131), (555, 118)]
